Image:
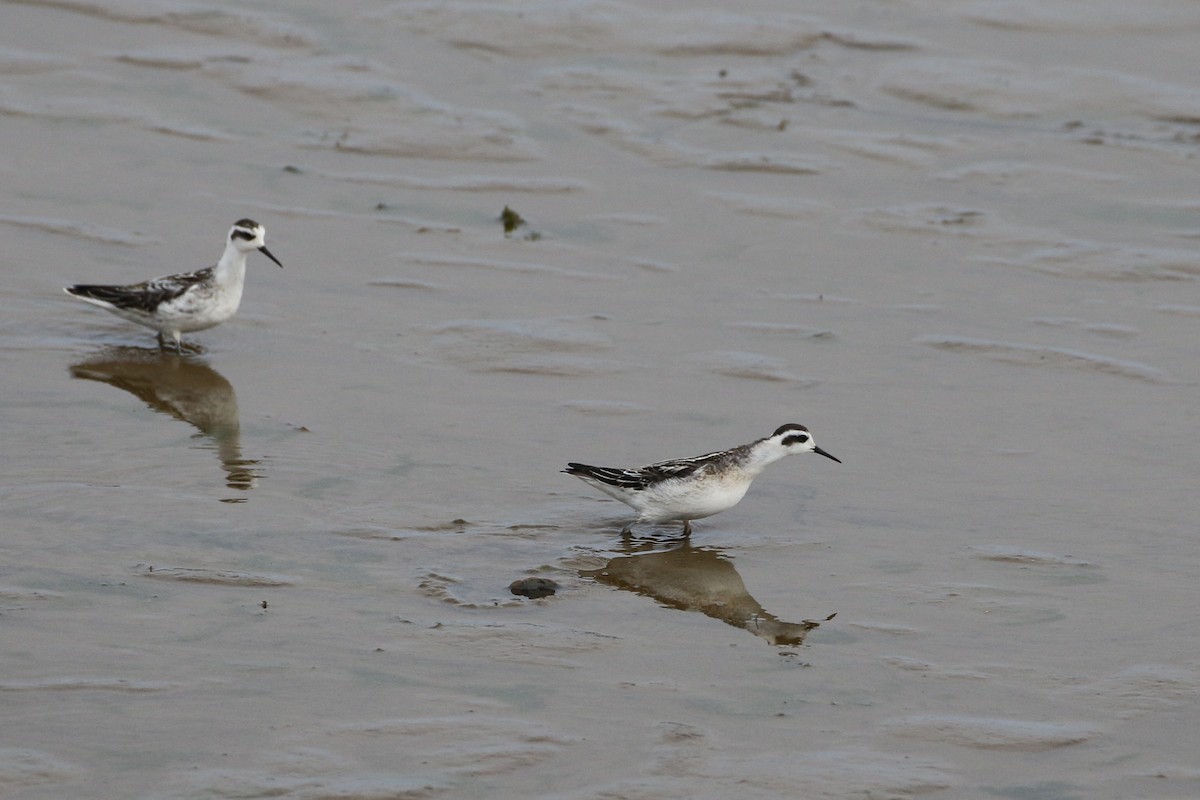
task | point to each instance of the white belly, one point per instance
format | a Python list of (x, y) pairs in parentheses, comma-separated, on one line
[(675, 500)]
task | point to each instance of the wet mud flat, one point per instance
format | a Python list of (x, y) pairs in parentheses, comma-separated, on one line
[(956, 241)]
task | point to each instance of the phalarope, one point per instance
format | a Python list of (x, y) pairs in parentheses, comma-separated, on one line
[(190, 301), (692, 488)]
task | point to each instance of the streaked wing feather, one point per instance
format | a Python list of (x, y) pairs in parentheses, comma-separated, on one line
[(642, 477), (613, 476), (145, 296)]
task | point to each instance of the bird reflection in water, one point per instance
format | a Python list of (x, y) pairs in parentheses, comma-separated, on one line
[(185, 388), (697, 579)]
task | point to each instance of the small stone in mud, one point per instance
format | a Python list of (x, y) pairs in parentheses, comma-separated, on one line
[(511, 220), (533, 588)]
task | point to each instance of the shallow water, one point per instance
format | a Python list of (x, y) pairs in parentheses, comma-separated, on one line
[(956, 240)]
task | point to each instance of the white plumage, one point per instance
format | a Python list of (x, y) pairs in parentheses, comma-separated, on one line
[(693, 488), (190, 301)]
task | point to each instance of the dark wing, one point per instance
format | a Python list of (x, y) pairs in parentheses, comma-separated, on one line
[(680, 468), (613, 476), (642, 477), (145, 296)]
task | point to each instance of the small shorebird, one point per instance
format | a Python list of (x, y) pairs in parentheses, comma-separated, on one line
[(191, 301), (692, 488)]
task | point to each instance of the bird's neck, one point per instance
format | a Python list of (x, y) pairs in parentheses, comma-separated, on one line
[(232, 266), (760, 454)]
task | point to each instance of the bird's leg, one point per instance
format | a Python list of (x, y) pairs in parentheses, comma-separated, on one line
[(687, 527), (162, 343)]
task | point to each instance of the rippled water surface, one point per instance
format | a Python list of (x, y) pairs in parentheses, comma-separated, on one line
[(956, 240)]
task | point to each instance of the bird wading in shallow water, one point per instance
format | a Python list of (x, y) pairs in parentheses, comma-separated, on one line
[(692, 488), (190, 301)]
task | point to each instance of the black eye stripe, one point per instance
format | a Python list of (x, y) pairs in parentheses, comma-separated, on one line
[(790, 440), (238, 233)]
